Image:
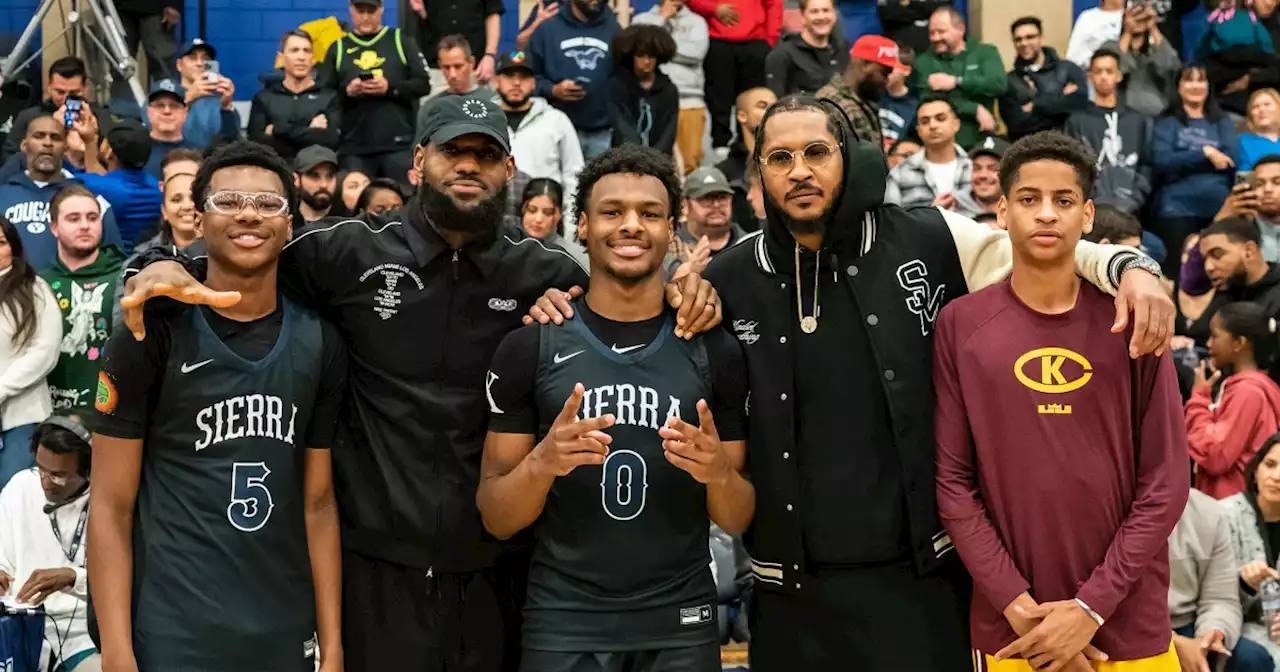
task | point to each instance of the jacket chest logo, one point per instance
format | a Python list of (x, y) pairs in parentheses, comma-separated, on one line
[(923, 299), (386, 299), (745, 330)]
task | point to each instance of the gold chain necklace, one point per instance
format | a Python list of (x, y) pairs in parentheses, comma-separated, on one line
[(808, 323)]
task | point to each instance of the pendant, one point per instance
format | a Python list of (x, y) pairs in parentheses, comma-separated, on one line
[(808, 324)]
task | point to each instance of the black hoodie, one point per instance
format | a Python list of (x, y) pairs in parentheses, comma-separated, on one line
[(1050, 106), (289, 115), (795, 66), (641, 116)]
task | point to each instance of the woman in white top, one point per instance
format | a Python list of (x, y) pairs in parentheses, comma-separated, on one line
[(30, 330)]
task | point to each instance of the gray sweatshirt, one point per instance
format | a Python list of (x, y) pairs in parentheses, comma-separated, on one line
[(1149, 75), (1203, 571), (690, 33)]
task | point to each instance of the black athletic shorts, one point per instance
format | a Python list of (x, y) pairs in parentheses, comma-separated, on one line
[(877, 619), (702, 658), (397, 618)]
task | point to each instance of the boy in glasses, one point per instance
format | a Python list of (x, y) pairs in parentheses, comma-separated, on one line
[(1061, 462), (214, 531)]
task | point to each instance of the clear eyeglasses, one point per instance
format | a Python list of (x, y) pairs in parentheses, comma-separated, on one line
[(265, 203), (816, 155)]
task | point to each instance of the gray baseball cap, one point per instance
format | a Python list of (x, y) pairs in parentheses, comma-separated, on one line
[(704, 181), (313, 156)]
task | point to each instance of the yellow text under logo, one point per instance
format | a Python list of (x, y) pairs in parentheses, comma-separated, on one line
[(1051, 379)]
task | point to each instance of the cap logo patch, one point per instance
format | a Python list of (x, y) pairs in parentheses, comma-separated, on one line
[(517, 57), (989, 144), (167, 85), (475, 109), (710, 179), (887, 52)]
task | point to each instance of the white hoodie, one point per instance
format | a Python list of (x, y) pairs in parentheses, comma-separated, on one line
[(24, 397), (27, 543), (546, 145), (692, 41)]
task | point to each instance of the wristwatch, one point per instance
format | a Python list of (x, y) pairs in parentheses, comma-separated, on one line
[(1140, 261)]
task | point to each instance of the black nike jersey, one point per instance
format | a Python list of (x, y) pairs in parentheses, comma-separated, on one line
[(622, 558), (222, 573)]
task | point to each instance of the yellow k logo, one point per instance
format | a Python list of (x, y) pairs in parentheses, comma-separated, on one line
[(1052, 380)]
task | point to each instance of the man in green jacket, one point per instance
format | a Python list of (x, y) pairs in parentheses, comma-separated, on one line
[(84, 279), (969, 75)]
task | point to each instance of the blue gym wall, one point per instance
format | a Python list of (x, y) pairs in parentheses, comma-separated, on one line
[(246, 31)]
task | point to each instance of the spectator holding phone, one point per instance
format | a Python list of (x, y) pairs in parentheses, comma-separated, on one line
[(380, 75), (1256, 196), (67, 78), (571, 59), (207, 94), (1262, 128)]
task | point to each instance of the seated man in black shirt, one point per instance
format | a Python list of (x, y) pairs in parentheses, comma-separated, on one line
[(618, 479), (214, 530)]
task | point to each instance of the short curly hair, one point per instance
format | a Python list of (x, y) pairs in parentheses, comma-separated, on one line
[(243, 153), (629, 160), (1049, 146), (642, 40)]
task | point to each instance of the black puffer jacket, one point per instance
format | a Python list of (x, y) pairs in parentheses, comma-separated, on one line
[(289, 115), (795, 66), (1050, 106)]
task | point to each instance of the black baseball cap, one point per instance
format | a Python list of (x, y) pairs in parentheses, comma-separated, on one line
[(992, 144), (131, 143), (198, 43), (315, 155), (516, 59), (449, 116), (370, 3)]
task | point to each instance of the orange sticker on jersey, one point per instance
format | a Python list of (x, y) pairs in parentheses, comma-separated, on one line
[(106, 398)]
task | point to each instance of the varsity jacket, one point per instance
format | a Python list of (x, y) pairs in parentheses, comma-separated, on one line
[(902, 267)]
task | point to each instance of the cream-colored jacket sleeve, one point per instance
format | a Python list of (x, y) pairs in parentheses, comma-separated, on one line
[(986, 256)]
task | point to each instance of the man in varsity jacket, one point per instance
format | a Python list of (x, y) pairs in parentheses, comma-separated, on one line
[(834, 305), (379, 75)]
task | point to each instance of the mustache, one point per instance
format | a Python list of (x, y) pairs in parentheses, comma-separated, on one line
[(804, 189)]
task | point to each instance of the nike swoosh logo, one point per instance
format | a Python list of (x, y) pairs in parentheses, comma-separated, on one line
[(558, 359), (623, 351), (353, 50), (188, 368)]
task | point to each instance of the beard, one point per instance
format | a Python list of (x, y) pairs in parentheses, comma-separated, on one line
[(480, 219), (318, 200), (514, 101), (589, 10), (869, 91)]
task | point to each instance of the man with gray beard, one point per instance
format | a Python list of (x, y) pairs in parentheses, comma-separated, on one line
[(422, 301)]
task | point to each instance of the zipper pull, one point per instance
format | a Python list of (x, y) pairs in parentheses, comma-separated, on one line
[(455, 264), (431, 571)]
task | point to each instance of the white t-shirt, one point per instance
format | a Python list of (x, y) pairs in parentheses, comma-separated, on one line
[(1093, 28), (943, 175)]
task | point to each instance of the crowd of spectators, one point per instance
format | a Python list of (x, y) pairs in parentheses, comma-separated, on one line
[(1188, 159)]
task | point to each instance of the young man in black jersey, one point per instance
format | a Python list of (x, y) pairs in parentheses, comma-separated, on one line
[(214, 534), (621, 478)]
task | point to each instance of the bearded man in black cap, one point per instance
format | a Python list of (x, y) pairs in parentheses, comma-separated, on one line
[(422, 302), (315, 171), (834, 305)]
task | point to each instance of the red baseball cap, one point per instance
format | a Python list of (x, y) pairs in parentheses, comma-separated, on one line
[(877, 49)]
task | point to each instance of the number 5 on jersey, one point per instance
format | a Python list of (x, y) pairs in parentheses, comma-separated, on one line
[(251, 502)]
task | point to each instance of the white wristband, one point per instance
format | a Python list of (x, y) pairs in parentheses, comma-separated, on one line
[(1089, 610)]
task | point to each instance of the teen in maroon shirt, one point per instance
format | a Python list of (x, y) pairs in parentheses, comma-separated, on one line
[(1062, 464)]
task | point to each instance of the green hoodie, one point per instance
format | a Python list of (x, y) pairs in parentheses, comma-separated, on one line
[(86, 297), (982, 81)]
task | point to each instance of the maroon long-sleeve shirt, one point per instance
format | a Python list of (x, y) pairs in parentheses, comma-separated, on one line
[(1042, 484)]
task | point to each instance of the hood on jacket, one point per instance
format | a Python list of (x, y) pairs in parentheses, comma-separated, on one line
[(628, 79), (1260, 381), (1265, 284), (861, 190), (1051, 61), (110, 260)]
